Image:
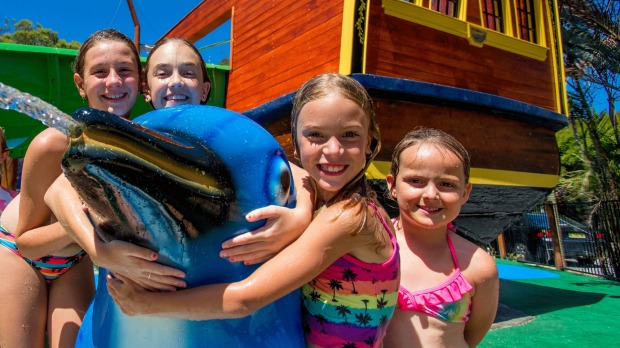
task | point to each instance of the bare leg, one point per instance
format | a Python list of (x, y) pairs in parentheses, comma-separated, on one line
[(23, 301), (69, 298)]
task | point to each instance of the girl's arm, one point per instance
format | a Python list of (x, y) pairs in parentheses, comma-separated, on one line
[(484, 303), (283, 226), (117, 256), (325, 240), (35, 236)]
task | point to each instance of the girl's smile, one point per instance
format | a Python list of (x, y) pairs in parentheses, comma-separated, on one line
[(330, 169), (429, 210)]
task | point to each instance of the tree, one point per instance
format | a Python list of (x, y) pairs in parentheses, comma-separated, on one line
[(591, 37), (27, 33)]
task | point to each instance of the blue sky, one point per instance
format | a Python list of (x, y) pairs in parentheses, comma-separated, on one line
[(75, 20)]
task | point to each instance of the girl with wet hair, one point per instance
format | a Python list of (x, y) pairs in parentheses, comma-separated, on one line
[(47, 279), (346, 261), (449, 286)]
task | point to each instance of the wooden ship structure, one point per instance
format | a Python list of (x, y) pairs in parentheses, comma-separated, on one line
[(489, 72)]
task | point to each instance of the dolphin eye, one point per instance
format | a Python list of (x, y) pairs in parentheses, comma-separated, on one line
[(279, 180)]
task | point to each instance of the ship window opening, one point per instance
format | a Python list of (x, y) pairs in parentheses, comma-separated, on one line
[(447, 7), (526, 20), (215, 46), (492, 14)]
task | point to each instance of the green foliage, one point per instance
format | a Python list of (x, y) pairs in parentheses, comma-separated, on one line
[(579, 177), (62, 43), (26, 33), (589, 147)]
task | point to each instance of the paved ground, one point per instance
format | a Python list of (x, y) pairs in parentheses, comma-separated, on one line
[(540, 307)]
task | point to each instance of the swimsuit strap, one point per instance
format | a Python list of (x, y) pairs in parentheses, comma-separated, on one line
[(8, 234), (387, 227), (453, 252)]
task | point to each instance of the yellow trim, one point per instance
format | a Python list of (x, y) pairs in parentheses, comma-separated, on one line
[(346, 38), (365, 47), (557, 51), (456, 26), (510, 44), (511, 178), (508, 29), (379, 169), (462, 9), (540, 33)]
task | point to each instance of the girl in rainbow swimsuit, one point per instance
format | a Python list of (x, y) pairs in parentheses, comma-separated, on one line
[(347, 259)]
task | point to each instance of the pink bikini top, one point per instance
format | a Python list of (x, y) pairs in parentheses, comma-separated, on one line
[(449, 301)]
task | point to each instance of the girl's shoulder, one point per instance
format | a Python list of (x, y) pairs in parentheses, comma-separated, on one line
[(49, 141), (339, 211), (351, 208), (473, 261), (366, 228), (352, 216)]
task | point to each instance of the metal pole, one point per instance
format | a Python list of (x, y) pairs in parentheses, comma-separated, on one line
[(136, 23)]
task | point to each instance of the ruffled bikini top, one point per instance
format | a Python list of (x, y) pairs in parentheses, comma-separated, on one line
[(449, 301)]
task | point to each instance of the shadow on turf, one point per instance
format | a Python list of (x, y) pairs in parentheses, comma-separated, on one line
[(535, 299)]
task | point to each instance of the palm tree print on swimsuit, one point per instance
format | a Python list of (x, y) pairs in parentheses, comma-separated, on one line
[(350, 276), (335, 284)]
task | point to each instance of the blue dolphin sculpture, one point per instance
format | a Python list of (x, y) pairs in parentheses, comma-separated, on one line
[(179, 181)]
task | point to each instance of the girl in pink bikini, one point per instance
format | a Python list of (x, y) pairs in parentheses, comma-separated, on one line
[(449, 286), (47, 279)]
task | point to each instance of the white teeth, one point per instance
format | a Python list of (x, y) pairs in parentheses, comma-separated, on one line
[(177, 97), (332, 169), (430, 209), (115, 96)]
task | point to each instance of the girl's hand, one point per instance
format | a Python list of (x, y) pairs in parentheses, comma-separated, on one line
[(139, 264), (126, 293), (283, 227)]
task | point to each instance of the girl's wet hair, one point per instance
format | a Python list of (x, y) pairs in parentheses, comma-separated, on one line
[(99, 36), (435, 137), (205, 75)]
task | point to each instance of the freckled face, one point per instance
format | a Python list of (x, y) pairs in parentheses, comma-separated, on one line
[(175, 77), (111, 77), (333, 141), (430, 186)]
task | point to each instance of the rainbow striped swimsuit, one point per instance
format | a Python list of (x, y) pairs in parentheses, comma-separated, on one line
[(350, 304)]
